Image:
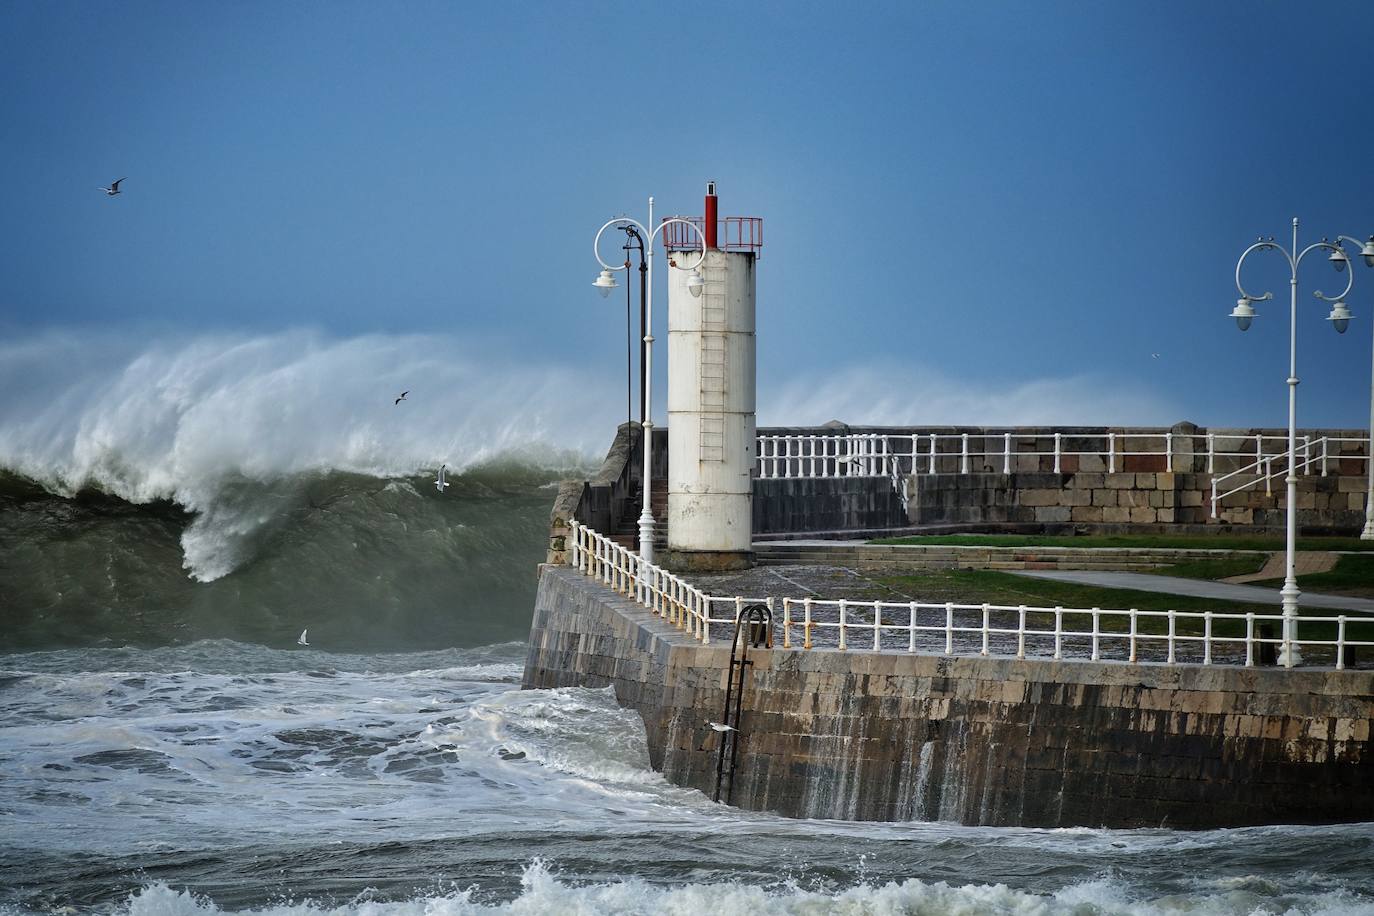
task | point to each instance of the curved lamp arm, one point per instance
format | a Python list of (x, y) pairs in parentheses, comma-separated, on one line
[(701, 238), (596, 242), (1262, 245), (1349, 277)]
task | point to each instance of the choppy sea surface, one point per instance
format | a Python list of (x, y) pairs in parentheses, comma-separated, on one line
[(226, 777)]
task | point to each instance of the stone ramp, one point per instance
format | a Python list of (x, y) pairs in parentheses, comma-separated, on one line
[(1305, 562)]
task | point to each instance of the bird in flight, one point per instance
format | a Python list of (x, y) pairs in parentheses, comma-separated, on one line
[(113, 189), (402, 397), (717, 727), (1154, 356), (300, 640), (440, 482)]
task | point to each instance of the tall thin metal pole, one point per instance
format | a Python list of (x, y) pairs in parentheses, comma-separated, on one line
[(643, 284), (629, 348), (1368, 533), (646, 519), (1289, 592)]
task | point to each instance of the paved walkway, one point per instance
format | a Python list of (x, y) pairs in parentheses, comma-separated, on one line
[(1198, 588)]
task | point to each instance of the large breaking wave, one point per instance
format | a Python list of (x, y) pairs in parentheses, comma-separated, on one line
[(135, 478)]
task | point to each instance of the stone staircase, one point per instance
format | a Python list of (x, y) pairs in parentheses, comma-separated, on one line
[(626, 533)]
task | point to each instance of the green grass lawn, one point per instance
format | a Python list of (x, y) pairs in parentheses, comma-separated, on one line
[(1192, 541), (1352, 576)]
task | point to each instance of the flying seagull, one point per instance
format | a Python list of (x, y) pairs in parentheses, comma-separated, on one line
[(717, 727), (113, 189), (440, 482), (1154, 356), (300, 640), (402, 397)]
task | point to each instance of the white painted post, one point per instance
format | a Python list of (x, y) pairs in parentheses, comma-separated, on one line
[(877, 625), (707, 606), (1324, 454), (1111, 453), (1169, 452), (1171, 637), (1211, 453), (1056, 452), (1214, 497), (787, 623), (1006, 453), (1269, 475), (949, 627), (1340, 642), (915, 449), (963, 453), (1058, 633), (911, 630), (1306, 455), (844, 605), (1207, 637), (1096, 655), (1021, 633), (1250, 640), (806, 626), (1134, 631), (985, 629), (932, 453)]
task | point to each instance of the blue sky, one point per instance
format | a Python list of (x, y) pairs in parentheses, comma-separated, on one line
[(977, 197)]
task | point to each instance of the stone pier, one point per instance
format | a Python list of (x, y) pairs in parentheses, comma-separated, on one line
[(894, 736)]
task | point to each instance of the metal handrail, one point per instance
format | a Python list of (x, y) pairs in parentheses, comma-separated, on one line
[(1314, 452), (1019, 631)]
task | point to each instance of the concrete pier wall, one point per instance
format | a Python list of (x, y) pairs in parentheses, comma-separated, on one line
[(888, 736)]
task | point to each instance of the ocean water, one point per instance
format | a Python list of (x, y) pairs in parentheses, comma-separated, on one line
[(167, 749)]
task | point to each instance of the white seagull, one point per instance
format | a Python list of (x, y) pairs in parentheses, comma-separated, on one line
[(717, 727), (402, 397), (440, 482), (113, 189), (300, 640)]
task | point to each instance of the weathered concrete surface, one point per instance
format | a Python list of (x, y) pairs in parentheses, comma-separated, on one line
[(887, 736)]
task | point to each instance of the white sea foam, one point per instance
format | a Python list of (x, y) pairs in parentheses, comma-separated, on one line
[(544, 892)]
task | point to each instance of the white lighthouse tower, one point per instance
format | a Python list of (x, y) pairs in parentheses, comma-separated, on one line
[(711, 395)]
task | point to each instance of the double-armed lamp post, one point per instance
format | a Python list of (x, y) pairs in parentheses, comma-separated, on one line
[(1339, 317), (606, 282)]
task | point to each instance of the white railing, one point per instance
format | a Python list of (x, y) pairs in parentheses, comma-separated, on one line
[(1311, 453), (882, 454), (885, 454), (1022, 631)]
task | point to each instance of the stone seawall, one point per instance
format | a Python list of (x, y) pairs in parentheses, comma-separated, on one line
[(892, 736), (1093, 499)]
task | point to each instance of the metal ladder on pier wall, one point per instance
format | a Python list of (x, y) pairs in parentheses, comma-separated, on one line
[(760, 634)]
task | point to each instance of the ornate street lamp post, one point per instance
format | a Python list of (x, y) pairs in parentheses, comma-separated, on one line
[(1244, 313), (606, 282)]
